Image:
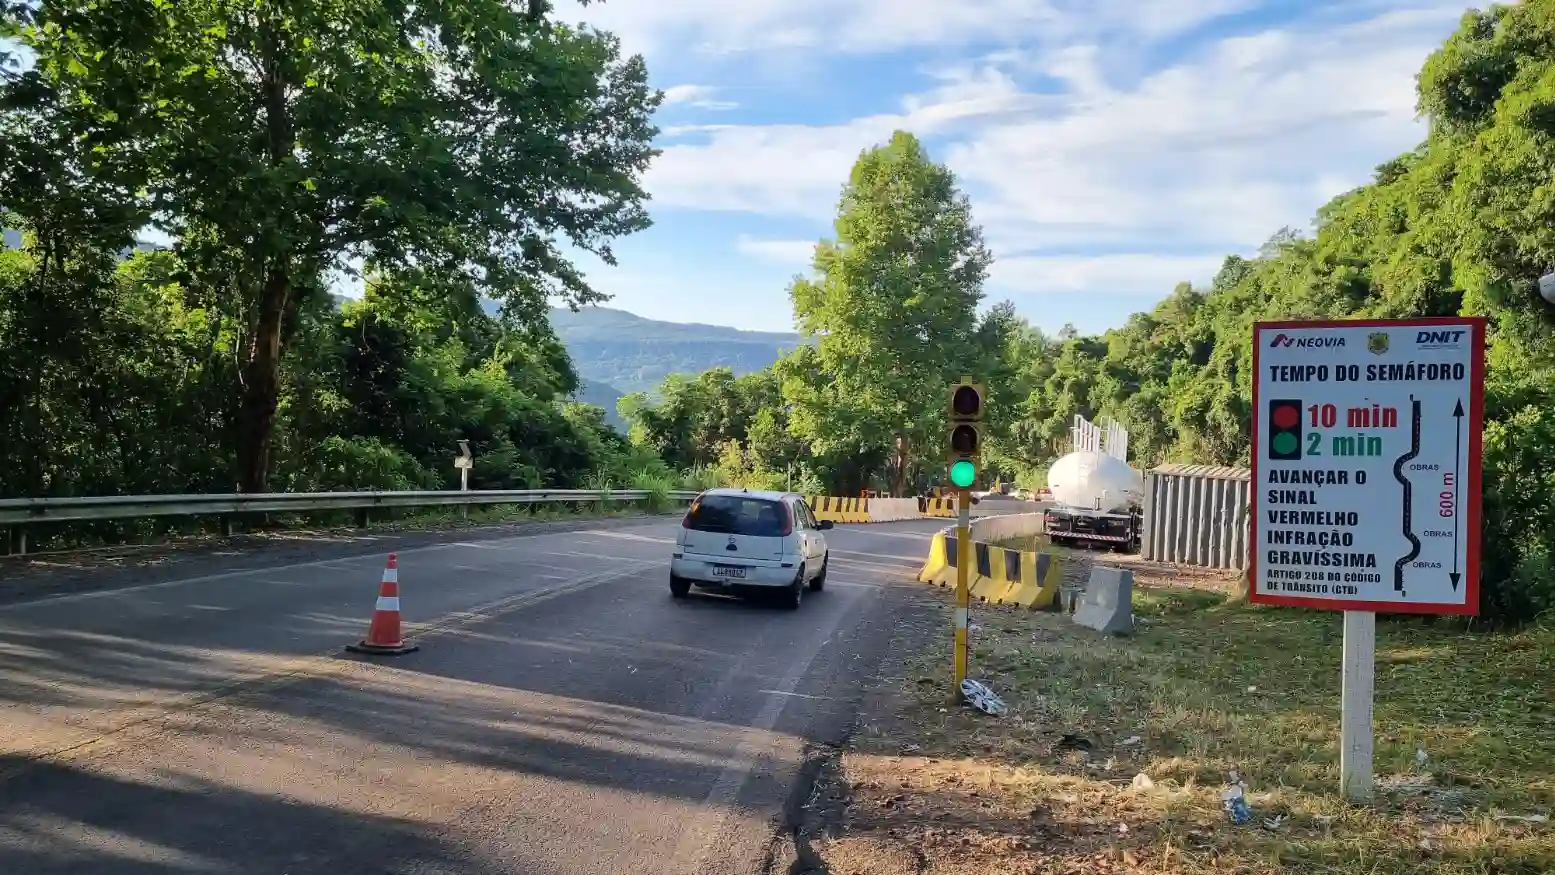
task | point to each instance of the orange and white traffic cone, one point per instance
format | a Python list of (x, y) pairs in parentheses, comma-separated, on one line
[(383, 636)]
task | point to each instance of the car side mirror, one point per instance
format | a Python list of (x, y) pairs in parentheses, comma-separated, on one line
[(823, 525)]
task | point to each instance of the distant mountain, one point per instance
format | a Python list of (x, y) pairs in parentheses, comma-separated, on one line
[(602, 395), (631, 354)]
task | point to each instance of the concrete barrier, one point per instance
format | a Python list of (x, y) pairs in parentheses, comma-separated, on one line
[(1007, 526), (863, 510), (1026, 578), (1107, 605), (890, 510)]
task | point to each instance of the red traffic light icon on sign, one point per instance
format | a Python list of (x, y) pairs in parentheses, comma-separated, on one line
[(1284, 429)]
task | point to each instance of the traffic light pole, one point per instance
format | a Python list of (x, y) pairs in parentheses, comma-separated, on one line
[(966, 414), (963, 593)]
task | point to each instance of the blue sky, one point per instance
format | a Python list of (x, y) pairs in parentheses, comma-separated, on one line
[(1111, 148)]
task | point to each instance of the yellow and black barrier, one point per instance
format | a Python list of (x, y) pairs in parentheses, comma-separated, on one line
[(838, 509), (999, 576), (937, 507)]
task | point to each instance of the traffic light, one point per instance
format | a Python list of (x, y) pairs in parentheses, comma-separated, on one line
[(966, 443), (1284, 429)]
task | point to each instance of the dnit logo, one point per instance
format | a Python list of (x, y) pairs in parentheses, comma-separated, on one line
[(1451, 339), (1281, 340)]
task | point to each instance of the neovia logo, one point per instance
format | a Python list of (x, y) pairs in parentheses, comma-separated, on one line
[(1283, 341), (1450, 338)]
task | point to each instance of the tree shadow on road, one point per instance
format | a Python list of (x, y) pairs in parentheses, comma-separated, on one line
[(56, 819)]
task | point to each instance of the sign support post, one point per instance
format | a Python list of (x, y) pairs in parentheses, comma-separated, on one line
[(1355, 705), (464, 461), (1366, 486), (963, 591)]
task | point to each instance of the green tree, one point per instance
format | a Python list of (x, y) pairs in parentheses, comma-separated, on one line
[(893, 312), (277, 141)]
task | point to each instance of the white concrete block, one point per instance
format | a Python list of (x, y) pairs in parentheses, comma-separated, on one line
[(1108, 602)]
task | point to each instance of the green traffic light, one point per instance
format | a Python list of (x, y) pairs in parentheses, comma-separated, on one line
[(962, 473)]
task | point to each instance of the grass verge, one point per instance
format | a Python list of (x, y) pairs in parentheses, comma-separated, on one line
[(1204, 687)]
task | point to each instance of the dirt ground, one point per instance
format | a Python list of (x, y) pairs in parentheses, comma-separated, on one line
[(1114, 752)]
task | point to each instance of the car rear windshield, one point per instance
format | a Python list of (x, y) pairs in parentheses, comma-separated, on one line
[(738, 515)]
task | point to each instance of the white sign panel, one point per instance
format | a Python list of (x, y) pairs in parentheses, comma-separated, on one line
[(1366, 464)]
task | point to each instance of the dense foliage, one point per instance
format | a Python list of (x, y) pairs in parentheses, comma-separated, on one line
[(278, 143), (126, 386), (441, 151)]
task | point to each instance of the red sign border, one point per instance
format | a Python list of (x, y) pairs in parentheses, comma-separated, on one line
[(1477, 326)]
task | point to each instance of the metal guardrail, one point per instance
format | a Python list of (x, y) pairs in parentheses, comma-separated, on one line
[(15, 511)]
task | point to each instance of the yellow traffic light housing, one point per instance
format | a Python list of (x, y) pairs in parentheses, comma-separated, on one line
[(966, 444)]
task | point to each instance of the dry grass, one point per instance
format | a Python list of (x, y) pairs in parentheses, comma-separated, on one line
[(1025, 543), (1206, 686)]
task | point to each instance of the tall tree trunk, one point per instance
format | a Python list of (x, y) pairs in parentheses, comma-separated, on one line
[(261, 384), (262, 370), (899, 476)]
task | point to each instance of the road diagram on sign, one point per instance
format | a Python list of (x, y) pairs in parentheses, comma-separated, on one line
[(1365, 473)]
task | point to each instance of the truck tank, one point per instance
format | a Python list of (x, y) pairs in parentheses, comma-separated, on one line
[(1095, 481)]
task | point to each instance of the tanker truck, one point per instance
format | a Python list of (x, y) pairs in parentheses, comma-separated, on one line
[(1096, 502)]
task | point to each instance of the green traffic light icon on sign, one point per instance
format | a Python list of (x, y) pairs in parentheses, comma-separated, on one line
[(1285, 429)]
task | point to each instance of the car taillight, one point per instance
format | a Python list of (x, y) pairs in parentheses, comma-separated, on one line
[(685, 521), (788, 523)]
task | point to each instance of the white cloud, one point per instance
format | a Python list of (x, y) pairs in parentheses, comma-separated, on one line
[(798, 170), (1216, 152), (699, 96), (863, 26), (1133, 274), (1219, 151), (788, 253)]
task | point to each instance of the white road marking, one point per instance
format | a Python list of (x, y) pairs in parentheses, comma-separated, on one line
[(795, 695), (352, 563), (605, 556), (911, 536), (625, 536), (274, 670), (258, 573)]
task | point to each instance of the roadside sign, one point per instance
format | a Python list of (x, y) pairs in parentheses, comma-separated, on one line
[(1366, 464)]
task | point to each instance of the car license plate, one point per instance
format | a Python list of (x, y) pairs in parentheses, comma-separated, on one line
[(733, 571)]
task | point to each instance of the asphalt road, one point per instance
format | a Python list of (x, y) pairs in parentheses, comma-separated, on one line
[(563, 716)]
